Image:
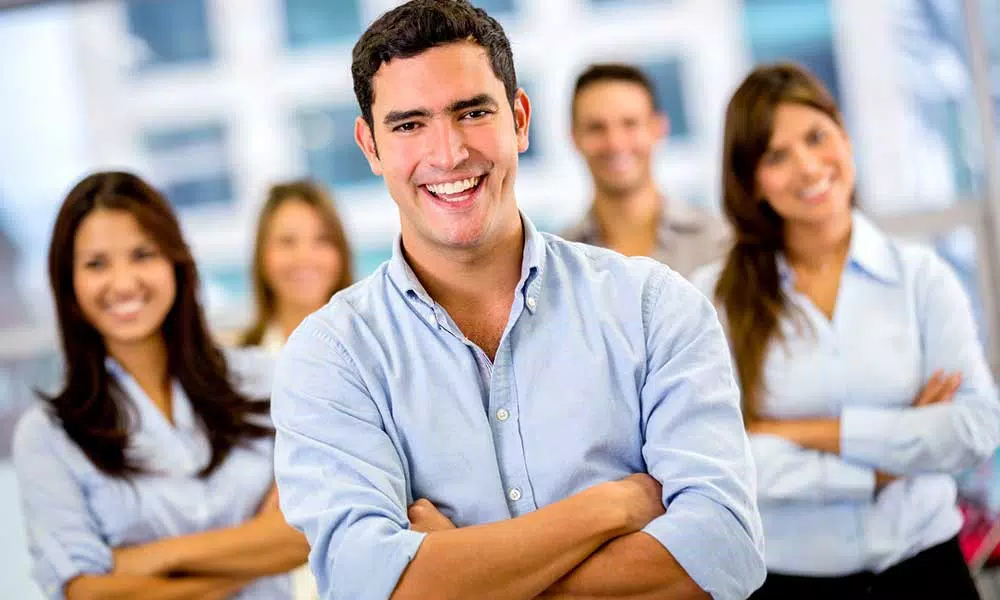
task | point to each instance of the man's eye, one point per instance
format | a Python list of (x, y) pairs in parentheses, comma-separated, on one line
[(405, 127)]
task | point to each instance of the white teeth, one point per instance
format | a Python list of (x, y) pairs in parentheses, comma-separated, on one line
[(454, 187), (816, 189), (126, 308)]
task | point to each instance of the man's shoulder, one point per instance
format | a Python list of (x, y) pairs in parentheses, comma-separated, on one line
[(601, 266), (362, 301)]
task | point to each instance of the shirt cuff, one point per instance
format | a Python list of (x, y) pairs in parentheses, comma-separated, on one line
[(372, 574), (711, 545)]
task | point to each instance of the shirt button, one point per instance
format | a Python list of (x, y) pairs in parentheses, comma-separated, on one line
[(531, 303), (514, 494), (502, 414)]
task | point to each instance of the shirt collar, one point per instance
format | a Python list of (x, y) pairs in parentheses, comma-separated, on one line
[(869, 250), (675, 217), (531, 267)]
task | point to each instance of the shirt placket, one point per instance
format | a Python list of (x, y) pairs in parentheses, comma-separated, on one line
[(505, 424)]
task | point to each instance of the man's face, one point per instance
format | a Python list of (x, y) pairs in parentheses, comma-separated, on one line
[(616, 129), (446, 142)]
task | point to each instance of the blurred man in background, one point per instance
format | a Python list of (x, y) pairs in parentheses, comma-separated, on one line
[(616, 127)]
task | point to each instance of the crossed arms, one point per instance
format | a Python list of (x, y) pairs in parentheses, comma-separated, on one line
[(208, 565)]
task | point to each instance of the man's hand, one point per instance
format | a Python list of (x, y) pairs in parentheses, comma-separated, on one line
[(642, 498), (426, 518), (939, 389)]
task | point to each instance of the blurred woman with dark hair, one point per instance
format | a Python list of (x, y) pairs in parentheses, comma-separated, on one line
[(301, 258), (149, 475), (865, 387)]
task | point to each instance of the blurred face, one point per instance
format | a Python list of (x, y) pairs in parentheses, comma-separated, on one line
[(301, 263), (123, 283), (616, 129), (445, 142), (807, 172)]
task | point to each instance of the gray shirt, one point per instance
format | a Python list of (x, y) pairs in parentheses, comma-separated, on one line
[(687, 237)]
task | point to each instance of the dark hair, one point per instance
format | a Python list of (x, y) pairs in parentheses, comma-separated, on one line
[(749, 287), (420, 25), (599, 72), (315, 196), (91, 407)]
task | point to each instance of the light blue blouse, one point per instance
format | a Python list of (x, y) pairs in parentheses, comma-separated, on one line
[(900, 315), (75, 515)]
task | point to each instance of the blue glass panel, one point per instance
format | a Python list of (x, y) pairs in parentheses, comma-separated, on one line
[(669, 88), (326, 136), (173, 31), (321, 22), (191, 164)]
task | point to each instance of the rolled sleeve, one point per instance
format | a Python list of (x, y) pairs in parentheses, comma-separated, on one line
[(696, 447), (789, 473), (63, 536), (340, 479), (948, 437)]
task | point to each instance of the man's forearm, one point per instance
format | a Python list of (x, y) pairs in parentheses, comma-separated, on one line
[(513, 559), (634, 566)]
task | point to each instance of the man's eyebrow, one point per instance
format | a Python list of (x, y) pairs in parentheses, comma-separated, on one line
[(396, 116), (473, 102)]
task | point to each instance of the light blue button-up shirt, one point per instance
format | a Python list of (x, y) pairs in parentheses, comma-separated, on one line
[(900, 315), (608, 366), (75, 515)]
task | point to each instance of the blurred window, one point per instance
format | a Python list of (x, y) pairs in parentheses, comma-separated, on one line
[(169, 32), (191, 164)]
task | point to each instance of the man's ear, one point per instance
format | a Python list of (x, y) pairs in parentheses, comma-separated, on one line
[(365, 139), (522, 118)]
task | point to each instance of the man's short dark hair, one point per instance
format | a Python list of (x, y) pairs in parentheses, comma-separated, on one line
[(597, 73), (420, 25)]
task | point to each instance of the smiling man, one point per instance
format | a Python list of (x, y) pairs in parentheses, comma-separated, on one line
[(496, 412), (617, 127)]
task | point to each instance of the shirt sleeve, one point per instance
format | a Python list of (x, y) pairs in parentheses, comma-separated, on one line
[(947, 437), (789, 473), (694, 444), (340, 479), (63, 537)]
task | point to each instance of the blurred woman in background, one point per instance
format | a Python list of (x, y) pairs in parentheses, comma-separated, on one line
[(301, 258), (149, 475), (865, 387)]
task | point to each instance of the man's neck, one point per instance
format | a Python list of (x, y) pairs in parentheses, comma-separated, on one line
[(630, 221), (468, 278)]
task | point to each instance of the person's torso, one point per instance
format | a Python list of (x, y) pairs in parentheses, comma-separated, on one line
[(557, 411)]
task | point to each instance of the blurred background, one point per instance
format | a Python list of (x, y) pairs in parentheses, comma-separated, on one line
[(214, 100)]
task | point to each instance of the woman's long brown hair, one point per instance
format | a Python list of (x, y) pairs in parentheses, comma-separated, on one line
[(316, 197), (91, 407), (749, 287)]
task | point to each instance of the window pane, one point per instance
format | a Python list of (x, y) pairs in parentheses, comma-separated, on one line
[(669, 88), (191, 164), (326, 136), (942, 125), (793, 30), (321, 22), (170, 31)]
